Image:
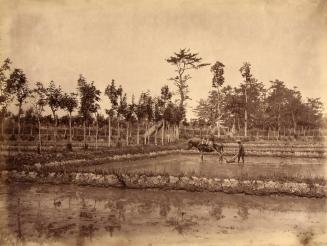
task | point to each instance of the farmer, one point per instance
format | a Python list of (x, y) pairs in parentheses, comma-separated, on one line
[(241, 152), (220, 150)]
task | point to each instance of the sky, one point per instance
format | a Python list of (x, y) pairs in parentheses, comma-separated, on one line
[(129, 41)]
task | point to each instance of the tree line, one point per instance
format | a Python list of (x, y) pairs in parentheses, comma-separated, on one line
[(252, 105), (146, 111), (247, 106)]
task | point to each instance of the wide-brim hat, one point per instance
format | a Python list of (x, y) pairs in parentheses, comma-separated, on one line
[(238, 141)]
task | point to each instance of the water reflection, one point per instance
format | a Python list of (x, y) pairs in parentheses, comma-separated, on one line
[(217, 212), (81, 215)]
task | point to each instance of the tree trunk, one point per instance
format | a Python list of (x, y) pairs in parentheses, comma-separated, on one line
[(138, 133), (18, 118), (246, 116), (155, 136), (70, 127), (163, 132), (127, 132), (146, 130), (278, 122), (148, 141), (294, 122), (55, 129), (174, 133), (84, 132), (3, 127), (40, 141), (109, 131), (238, 125), (118, 128), (96, 132), (218, 110)]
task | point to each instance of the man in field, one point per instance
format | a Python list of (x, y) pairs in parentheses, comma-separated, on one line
[(241, 152), (220, 149)]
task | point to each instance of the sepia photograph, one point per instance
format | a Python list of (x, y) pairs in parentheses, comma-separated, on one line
[(153, 123)]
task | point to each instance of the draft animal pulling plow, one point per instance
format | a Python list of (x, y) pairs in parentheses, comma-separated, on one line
[(211, 146), (203, 146)]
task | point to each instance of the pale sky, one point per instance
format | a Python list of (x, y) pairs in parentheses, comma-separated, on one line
[(129, 41)]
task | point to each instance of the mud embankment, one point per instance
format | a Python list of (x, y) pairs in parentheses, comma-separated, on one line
[(166, 182)]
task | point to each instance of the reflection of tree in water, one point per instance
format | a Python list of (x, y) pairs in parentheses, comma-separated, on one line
[(120, 207), (182, 222), (243, 212), (19, 226), (116, 217), (112, 224), (145, 208), (164, 209), (39, 224), (85, 231), (86, 228), (217, 212)]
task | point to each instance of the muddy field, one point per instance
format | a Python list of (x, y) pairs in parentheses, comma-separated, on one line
[(254, 167), (71, 215)]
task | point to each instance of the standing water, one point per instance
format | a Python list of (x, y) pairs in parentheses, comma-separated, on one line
[(74, 215)]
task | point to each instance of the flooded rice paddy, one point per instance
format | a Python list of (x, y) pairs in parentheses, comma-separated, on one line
[(211, 167), (73, 215)]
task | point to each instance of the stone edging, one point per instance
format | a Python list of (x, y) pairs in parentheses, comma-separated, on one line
[(142, 181)]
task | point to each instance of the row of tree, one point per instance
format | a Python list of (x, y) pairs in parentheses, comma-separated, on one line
[(252, 105), (149, 110)]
